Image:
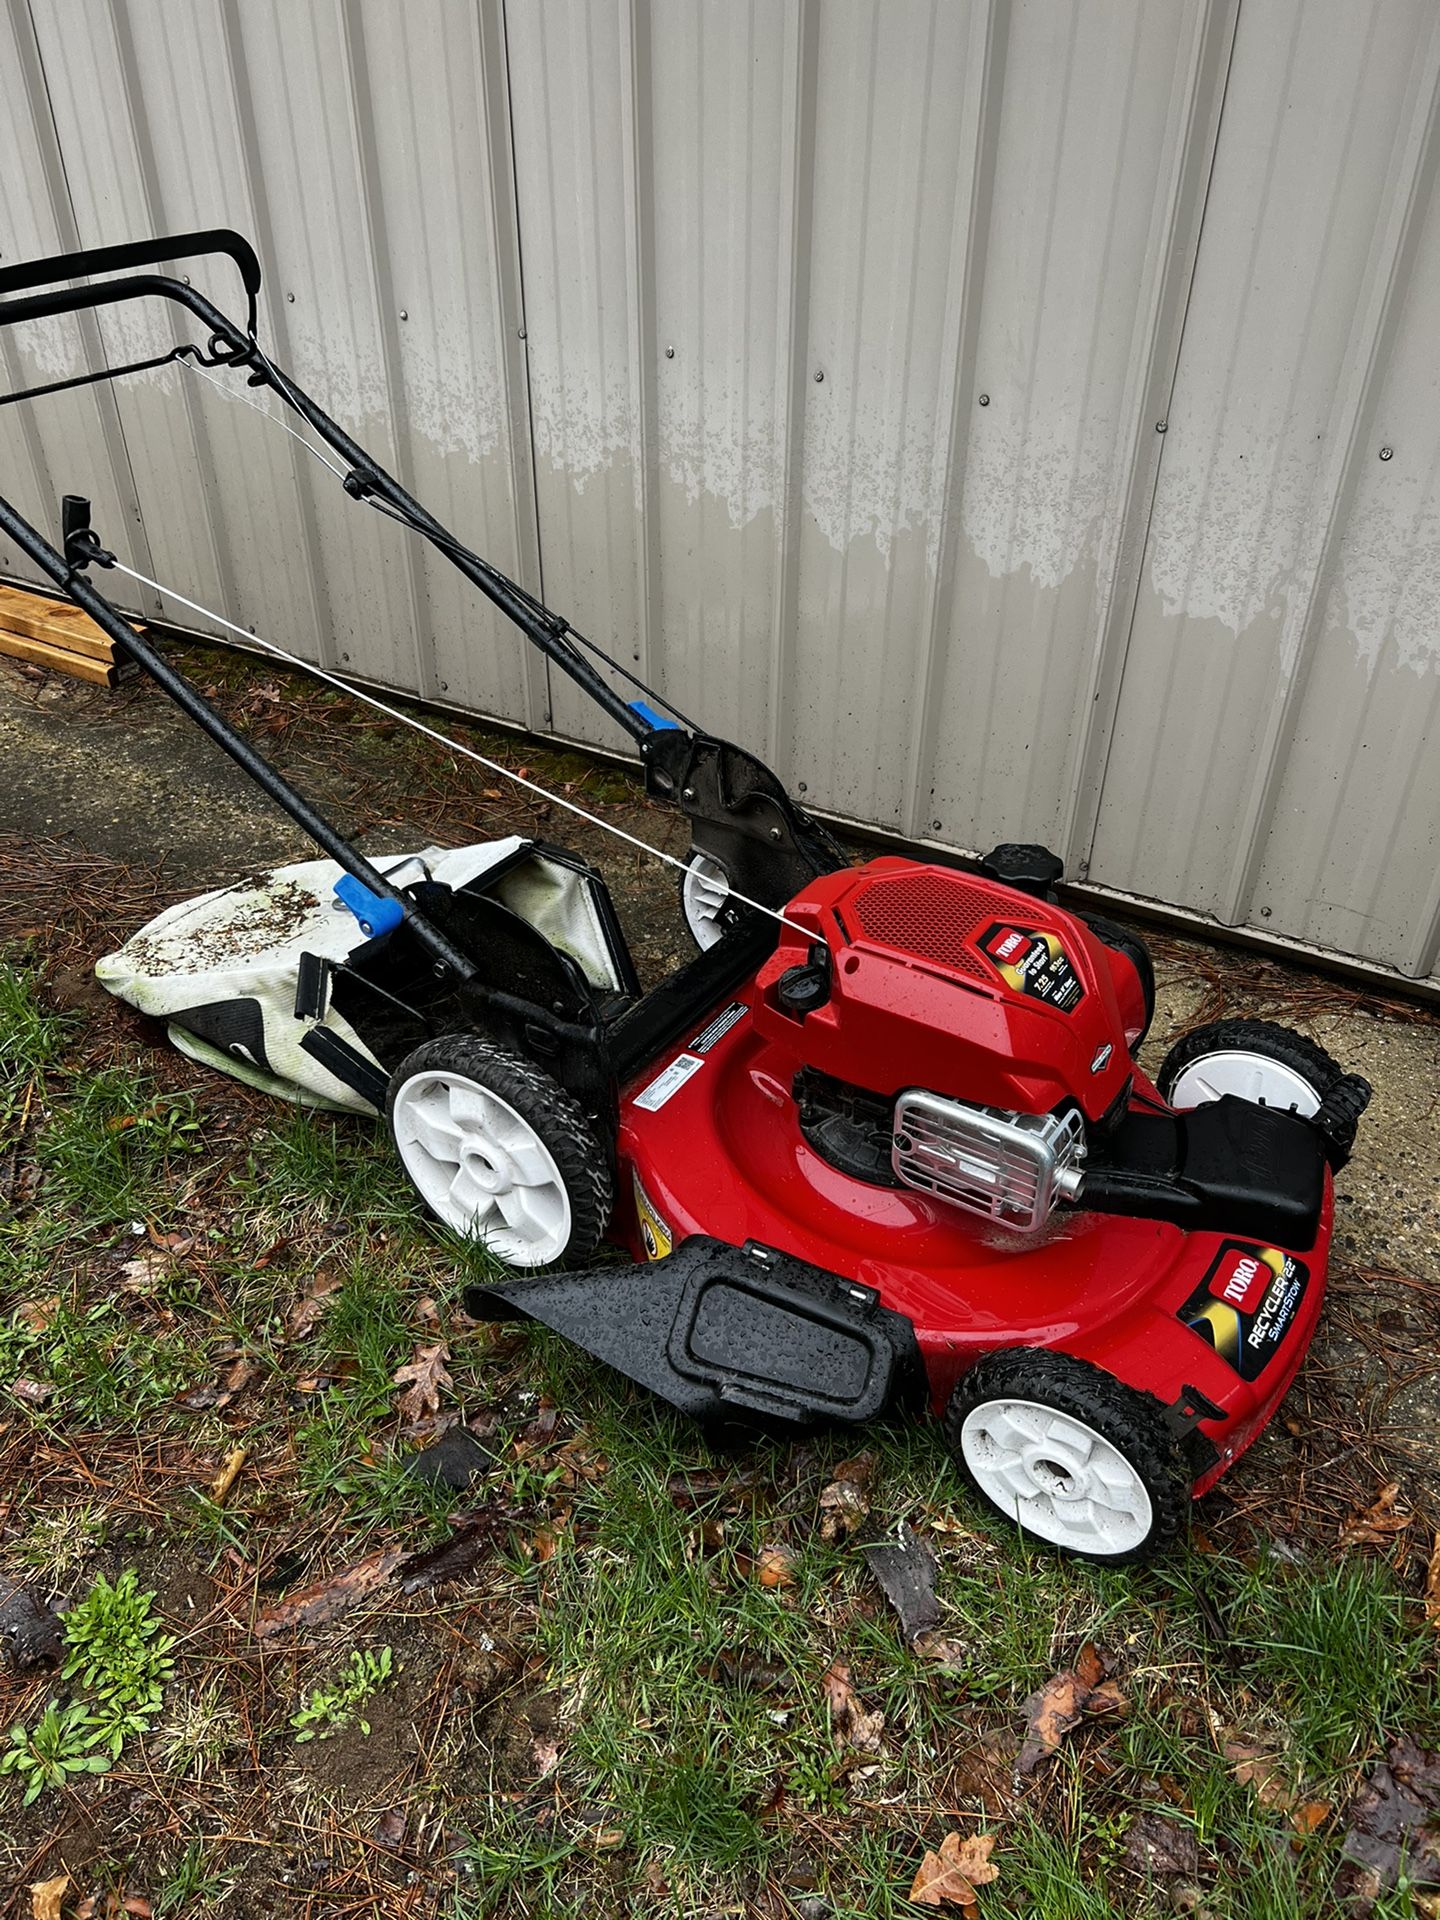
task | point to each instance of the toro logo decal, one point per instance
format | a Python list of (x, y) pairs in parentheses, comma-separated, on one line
[(1246, 1304), (1033, 963)]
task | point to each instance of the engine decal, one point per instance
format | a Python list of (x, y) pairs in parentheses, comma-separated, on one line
[(717, 1028), (665, 1084), (1246, 1304), (1033, 963), (655, 1234)]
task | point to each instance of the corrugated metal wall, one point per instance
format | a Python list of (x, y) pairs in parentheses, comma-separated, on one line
[(1017, 418)]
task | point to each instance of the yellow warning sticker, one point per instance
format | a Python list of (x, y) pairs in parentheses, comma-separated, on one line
[(657, 1237)]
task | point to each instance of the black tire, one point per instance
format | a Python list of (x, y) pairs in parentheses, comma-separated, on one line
[(1133, 1424), (1122, 940), (579, 1157), (1265, 1037)]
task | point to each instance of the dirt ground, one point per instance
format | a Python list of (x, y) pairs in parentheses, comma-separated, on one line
[(125, 776)]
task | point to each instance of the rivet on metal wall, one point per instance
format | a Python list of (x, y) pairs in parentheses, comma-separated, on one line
[(291, 298), (403, 314), (669, 353), (819, 373), (444, 686), (935, 825), (1161, 426), (520, 333), (984, 399), (1387, 453)]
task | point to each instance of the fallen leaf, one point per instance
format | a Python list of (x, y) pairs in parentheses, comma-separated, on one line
[(35, 1393), (327, 1598), (36, 1315), (905, 1569), (546, 1754), (1394, 1824), (545, 1544), (654, 1875), (390, 1829), (950, 1655), (1262, 1772), (1155, 1844), (424, 1378), (949, 1878), (851, 1725), (1432, 1585), (46, 1895), (224, 1480), (845, 1502), (1377, 1524), (1310, 1814), (1058, 1707), (775, 1567), (313, 1302), (137, 1905)]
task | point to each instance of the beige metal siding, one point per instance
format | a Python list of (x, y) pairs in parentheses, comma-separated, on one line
[(811, 354)]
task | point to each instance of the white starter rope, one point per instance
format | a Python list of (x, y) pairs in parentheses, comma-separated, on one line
[(442, 739)]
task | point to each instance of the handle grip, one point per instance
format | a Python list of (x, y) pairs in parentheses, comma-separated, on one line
[(140, 253)]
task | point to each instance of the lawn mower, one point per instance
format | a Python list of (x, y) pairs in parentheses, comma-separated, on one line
[(882, 1141)]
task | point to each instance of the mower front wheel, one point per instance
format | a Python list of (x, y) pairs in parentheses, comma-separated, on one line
[(499, 1152), (1069, 1453)]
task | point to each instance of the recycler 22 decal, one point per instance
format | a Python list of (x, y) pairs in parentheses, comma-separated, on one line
[(1247, 1303)]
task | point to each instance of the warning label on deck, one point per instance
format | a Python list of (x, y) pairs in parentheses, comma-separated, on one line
[(665, 1084), (717, 1028)]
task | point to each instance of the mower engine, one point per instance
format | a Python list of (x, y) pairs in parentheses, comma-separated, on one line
[(973, 1041), (1011, 1167)]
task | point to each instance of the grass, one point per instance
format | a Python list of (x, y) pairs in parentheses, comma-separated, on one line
[(614, 1714)]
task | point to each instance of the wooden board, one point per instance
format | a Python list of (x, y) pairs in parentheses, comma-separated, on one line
[(40, 653), (59, 623)]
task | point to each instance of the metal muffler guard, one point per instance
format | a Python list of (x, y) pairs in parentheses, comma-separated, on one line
[(718, 1329)]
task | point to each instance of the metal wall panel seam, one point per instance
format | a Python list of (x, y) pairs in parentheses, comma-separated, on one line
[(1202, 90), (152, 193), (637, 166), (52, 160), (981, 108), (797, 173), (1409, 179), (372, 202), (273, 308), (43, 478), (508, 280)]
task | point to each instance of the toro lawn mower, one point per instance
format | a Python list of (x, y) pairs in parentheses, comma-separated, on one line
[(882, 1141)]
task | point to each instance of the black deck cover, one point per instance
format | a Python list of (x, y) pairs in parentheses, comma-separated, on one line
[(720, 1330)]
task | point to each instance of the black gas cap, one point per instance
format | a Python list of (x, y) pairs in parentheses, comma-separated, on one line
[(800, 990), (1024, 866)]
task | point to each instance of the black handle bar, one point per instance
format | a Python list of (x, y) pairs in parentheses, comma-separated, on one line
[(141, 253)]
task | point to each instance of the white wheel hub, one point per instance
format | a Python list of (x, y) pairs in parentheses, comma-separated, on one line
[(481, 1167), (703, 893), (1056, 1476), (1253, 1076)]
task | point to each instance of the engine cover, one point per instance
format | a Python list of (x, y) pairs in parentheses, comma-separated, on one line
[(951, 981)]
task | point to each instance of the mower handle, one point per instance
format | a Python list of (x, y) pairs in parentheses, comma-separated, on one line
[(141, 253)]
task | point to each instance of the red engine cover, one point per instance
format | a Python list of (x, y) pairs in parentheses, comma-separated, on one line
[(947, 981)]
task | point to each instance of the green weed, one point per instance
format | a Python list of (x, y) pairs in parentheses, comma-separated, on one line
[(328, 1709), (60, 1745)]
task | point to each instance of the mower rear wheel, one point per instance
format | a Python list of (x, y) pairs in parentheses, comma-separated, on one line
[(1070, 1454), (704, 890), (499, 1152), (1257, 1059)]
